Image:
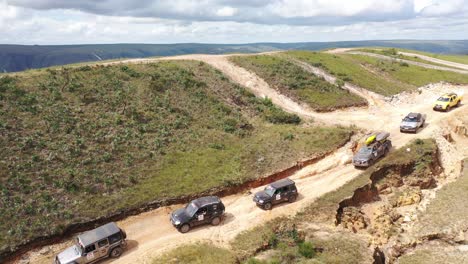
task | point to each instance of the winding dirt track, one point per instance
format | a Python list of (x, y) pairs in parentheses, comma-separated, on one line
[(151, 233)]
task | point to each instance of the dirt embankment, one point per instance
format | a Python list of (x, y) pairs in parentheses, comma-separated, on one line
[(379, 209)]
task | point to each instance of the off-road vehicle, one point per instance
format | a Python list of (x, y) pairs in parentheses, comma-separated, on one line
[(412, 122), (376, 147), (204, 210), (103, 242), (277, 192), (447, 101)]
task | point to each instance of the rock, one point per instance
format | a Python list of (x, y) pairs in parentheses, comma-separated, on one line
[(353, 219), (407, 219), (44, 251), (24, 259), (422, 181), (408, 197)]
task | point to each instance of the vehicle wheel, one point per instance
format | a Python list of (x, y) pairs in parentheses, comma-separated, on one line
[(184, 228), (216, 221), (292, 198), (447, 109), (267, 206), (387, 150), (458, 103), (116, 252)]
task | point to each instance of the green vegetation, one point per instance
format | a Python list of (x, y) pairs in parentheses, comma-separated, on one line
[(459, 58), (347, 69), (297, 83), (200, 253), (392, 52), (385, 77), (116, 137), (413, 75)]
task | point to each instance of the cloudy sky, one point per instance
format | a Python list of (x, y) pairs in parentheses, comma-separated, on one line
[(228, 21)]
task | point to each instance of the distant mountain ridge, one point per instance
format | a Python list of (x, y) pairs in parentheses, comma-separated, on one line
[(15, 58)]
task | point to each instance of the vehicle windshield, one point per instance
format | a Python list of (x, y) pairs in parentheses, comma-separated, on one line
[(365, 151), (191, 209), (443, 99), (269, 190), (409, 119)]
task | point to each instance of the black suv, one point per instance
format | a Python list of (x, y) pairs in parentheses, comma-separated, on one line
[(275, 193), (204, 210)]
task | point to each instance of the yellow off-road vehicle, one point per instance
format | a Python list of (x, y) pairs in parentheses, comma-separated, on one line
[(447, 101)]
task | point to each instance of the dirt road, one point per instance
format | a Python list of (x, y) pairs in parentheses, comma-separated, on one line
[(151, 233)]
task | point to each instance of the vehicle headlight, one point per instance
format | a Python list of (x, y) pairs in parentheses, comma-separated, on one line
[(261, 201), (177, 222)]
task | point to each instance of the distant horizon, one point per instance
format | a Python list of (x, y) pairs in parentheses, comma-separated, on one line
[(243, 43)]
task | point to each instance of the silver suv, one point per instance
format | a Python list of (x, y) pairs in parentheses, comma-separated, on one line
[(103, 242)]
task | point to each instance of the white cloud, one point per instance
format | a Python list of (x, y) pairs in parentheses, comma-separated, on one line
[(310, 8), (229, 21), (445, 7), (226, 11)]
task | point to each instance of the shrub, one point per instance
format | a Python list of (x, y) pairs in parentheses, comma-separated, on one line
[(404, 64), (277, 116), (306, 249)]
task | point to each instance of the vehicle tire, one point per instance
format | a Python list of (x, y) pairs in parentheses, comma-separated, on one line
[(116, 252), (267, 206), (387, 150), (184, 228), (447, 108), (292, 198), (215, 221), (458, 103)]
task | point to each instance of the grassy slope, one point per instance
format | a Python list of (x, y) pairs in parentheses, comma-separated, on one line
[(297, 83), (197, 254), (391, 52), (438, 255), (119, 136), (348, 69), (448, 212), (448, 57), (410, 74), (337, 248)]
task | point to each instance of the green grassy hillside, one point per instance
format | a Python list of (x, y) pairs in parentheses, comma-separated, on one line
[(349, 70), (381, 76), (410, 74), (80, 143), (392, 52), (295, 82)]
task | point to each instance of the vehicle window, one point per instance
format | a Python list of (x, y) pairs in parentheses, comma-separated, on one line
[(269, 190), (365, 150), (103, 243), (443, 99), (202, 211), (90, 248), (115, 238), (191, 208)]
